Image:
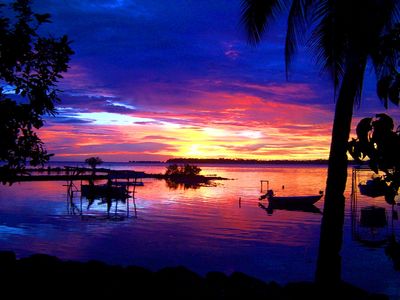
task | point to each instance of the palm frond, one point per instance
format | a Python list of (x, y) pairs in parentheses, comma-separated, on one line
[(298, 22), (386, 56), (328, 40), (257, 15), (388, 88), (360, 83)]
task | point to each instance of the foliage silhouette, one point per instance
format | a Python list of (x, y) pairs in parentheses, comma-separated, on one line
[(30, 67), (93, 162), (378, 141), (186, 176), (185, 170), (43, 276), (344, 35)]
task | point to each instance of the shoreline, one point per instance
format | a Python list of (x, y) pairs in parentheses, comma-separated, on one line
[(78, 173), (205, 161), (43, 275)]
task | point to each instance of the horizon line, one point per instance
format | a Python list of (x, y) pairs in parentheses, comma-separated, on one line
[(204, 160)]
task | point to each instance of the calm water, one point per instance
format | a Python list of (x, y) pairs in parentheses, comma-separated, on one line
[(217, 228)]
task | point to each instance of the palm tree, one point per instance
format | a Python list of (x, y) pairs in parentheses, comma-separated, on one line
[(344, 36)]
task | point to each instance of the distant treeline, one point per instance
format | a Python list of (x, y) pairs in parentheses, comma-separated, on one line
[(146, 161), (241, 161)]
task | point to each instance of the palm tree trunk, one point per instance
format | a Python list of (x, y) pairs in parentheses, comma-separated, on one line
[(329, 259)]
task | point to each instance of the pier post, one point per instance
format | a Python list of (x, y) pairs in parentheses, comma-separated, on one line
[(262, 181)]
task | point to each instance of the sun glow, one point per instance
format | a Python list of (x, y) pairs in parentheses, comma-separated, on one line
[(250, 134), (194, 151)]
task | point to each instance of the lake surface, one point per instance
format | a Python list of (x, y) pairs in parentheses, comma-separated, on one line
[(210, 228)]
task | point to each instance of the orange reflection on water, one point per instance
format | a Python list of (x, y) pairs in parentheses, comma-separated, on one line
[(229, 210)]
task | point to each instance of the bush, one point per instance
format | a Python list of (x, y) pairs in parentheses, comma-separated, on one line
[(185, 170)]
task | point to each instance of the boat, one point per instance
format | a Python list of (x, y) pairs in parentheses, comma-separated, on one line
[(305, 200), (302, 208), (376, 187)]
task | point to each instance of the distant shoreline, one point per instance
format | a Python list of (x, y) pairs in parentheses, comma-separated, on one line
[(244, 161), (250, 161), (217, 161)]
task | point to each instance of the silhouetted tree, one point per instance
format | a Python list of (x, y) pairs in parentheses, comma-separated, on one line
[(185, 170), (93, 162), (186, 176), (30, 67), (344, 36), (172, 169), (191, 170), (380, 143)]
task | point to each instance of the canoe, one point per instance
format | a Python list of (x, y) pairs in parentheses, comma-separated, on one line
[(291, 200)]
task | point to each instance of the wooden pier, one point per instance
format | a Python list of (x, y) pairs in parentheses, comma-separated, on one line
[(117, 189), (71, 173), (262, 182)]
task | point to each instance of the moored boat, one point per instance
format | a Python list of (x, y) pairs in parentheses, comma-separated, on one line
[(291, 200)]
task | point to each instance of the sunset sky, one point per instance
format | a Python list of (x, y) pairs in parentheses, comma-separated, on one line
[(152, 80)]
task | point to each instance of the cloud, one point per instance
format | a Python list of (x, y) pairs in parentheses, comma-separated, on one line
[(159, 137), (151, 147), (70, 120)]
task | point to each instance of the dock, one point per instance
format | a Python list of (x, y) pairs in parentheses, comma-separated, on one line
[(72, 173), (78, 173)]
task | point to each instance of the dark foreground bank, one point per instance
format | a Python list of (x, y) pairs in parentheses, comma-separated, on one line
[(47, 276)]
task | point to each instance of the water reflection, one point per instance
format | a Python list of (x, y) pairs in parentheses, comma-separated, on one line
[(373, 219), (174, 185), (302, 208), (372, 226)]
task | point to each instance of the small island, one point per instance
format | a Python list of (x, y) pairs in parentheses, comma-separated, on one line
[(187, 175)]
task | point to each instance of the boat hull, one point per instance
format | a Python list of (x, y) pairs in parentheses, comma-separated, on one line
[(294, 200)]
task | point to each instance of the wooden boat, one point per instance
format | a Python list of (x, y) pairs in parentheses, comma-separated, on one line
[(291, 200)]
